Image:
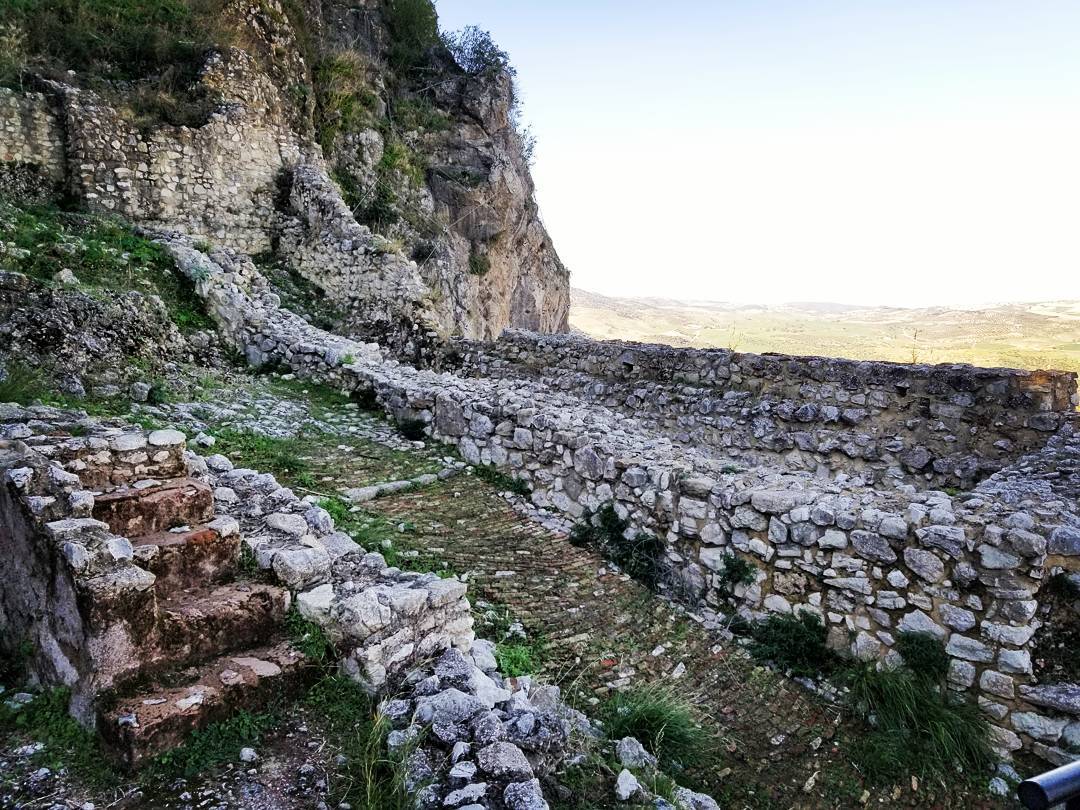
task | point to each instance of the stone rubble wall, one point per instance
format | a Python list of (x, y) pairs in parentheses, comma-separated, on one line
[(965, 568), (102, 605), (32, 161), (940, 425)]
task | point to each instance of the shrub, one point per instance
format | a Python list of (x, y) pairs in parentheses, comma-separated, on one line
[(795, 643), (23, 384), (736, 571), (662, 720), (479, 264), (515, 659), (639, 556), (309, 638), (420, 114), (414, 29), (918, 728), (924, 655), (476, 52)]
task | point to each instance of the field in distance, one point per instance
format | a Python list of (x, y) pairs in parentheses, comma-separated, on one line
[(1043, 335)]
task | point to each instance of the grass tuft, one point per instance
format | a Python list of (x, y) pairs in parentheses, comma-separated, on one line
[(662, 720), (500, 480), (924, 655)]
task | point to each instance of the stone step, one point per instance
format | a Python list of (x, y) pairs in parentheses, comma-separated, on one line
[(200, 624), (202, 555), (157, 718), (135, 512)]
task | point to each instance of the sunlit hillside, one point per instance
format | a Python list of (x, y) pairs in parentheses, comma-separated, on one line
[(1043, 335)]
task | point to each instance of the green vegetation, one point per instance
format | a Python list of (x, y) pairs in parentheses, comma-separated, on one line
[(794, 643), (916, 727), (299, 295), (479, 264), (281, 456), (500, 480), (67, 744), (344, 100), (414, 27), (515, 659), (417, 113), (105, 255), (736, 571), (924, 655), (639, 556), (413, 429), (1057, 645), (214, 745), (308, 638), (369, 778), (663, 721), (476, 52)]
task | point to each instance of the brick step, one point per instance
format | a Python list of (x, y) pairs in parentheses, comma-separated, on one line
[(157, 718), (198, 625), (202, 555), (133, 512)]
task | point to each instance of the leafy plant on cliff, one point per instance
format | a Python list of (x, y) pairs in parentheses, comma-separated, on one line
[(476, 52), (736, 571), (479, 264), (414, 29), (344, 100)]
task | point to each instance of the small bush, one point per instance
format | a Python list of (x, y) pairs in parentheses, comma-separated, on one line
[(479, 264), (22, 384), (795, 643), (476, 52), (662, 720), (640, 556), (420, 114), (500, 480), (343, 100), (917, 728), (736, 571), (515, 659), (924, 655), (414, 29)]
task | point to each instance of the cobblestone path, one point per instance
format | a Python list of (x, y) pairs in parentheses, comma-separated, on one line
[(603, 630)]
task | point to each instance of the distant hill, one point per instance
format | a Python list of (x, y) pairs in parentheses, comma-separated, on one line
[(1018, 335)]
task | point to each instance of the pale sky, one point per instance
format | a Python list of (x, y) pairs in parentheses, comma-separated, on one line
[(905, 152)]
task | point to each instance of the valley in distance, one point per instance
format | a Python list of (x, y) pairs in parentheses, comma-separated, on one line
[(1044, 335)]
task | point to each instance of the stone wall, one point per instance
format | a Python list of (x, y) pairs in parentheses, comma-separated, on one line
[(32, 161), (940, 425), (966, 568)]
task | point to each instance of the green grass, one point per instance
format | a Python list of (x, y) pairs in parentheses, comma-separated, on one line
[(104, 254), (309, 638), (516, 658), (793, 643), (282, 456), (915, 728), (67, 744), (662, 720), (370, 778), (479, 264), (215, 745)]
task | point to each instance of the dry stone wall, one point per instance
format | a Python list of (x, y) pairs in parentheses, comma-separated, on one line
[(32, 161), (966, 568), (943, 425)]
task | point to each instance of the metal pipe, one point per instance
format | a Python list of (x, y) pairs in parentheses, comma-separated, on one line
[(1052, 788)]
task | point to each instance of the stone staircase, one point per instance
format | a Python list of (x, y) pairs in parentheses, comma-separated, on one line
[(216, 645)]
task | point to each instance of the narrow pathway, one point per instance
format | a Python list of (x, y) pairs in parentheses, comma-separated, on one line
[(603, 630)]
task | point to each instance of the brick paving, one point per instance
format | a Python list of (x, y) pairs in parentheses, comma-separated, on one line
[(602, 630)]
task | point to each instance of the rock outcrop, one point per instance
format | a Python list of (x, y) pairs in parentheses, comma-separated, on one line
[(430, 212)]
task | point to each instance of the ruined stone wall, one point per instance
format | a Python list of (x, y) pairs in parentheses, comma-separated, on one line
[(941, 425), (967, 568), (32, 162)]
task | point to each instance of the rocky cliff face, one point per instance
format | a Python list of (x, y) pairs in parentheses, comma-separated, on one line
[(344, 142)]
